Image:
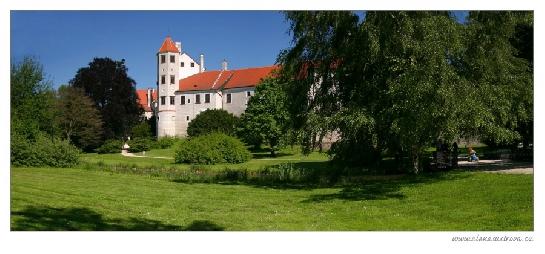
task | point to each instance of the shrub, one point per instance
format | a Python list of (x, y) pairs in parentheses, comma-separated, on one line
[(44, 151), (212, 120), (137, 145), (141, 130), (110, 146), (165, 142), (211, 149)]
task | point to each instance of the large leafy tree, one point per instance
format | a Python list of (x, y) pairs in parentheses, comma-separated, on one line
[(394, 82), (113, 92), (31, 98), (266, 118), (77, 118), (498, 65)]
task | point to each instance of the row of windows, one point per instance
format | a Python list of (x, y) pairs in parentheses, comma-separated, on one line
[(164, 59), (173, 60), (198, 99), (172, 79), (182, 64)]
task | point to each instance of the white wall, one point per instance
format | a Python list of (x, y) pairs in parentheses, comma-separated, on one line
[(187, 70), (191, 109), (239, 100), (166, 112)]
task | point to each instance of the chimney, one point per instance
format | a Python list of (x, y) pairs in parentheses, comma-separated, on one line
[(149, 96), (179, 46), (201, 64), (224, 65)]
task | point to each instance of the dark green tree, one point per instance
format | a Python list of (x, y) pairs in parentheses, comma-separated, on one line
[(397, 81), (141, 130), (212, 120), (77, 118), (266, 118), (498, 66), (106, 82)]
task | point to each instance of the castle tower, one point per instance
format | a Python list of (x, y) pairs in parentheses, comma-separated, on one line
[(168, 60)]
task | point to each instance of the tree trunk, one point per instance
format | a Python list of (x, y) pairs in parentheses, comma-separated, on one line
[(415, 157)]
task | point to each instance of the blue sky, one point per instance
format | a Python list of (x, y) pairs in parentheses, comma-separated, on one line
[(64, 41)]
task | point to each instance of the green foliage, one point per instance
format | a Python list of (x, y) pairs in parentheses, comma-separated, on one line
[(44, 151), (266, 118), (141, 130), (110, 146), (32, 100), (212, 149), (77, 118), (212, 120), (165, 142), (113, 92), (137, 145), (398, 81)]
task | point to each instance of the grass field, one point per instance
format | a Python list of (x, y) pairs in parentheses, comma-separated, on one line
[(79, 199), (260, 159)]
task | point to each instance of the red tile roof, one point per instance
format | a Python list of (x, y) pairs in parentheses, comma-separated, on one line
[(213, 80), (143, 98), (168, 46)]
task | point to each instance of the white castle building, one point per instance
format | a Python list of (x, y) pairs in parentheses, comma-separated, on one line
[(185, 89)]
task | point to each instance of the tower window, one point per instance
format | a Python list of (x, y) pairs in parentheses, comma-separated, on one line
[(163, 81), (198, 99), (228, 98), (248, 94), (207, 98), (192, 64), (188, 101), (163, 58), (172, 59), (182, 101), (187, 118), (171, 100), (163, 100), (182, 64), (172, 79)]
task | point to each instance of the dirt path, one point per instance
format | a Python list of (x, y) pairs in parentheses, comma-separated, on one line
[(127, 154), (498, 166)]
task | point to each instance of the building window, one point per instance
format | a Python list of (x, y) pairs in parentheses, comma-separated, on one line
[(207, 98), (163, 79), (192, 64), (187, 118), (182, 101), (188, 101), (163, 58), (248, 94), (198, 99), (182, 64), (172, 79), (171, 100), (228, 98), (172, 59), (163, 100)]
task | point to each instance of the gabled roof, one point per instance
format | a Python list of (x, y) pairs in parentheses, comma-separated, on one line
[(214, 80), (168, 46), (143, 98)]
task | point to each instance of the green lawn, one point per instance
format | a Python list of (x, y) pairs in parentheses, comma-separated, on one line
[(260, 159), (79, 199)]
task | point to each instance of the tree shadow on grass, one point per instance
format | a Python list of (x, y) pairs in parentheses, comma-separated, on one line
[(267, 155), (45, 218), (382, 189)]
